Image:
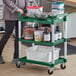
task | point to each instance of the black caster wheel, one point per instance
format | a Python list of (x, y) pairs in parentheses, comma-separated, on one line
[(50, 72), (18, 65), (63, 66)]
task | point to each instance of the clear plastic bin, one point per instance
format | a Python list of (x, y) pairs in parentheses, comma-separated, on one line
[(42, 53)]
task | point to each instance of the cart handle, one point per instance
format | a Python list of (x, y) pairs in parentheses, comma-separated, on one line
[(19, 14)]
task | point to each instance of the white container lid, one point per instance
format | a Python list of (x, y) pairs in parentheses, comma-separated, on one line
[(57, 3)]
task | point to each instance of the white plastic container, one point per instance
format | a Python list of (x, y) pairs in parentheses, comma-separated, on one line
[(57, 11), (57, 36), (38, 35), (58, 5), (42, 53), (34, 9)]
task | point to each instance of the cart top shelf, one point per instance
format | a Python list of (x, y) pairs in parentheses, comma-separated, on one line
[(48, 20)]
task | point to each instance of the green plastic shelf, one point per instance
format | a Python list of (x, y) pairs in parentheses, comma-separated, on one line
[(58, 61), (44, 43), (48, 20)]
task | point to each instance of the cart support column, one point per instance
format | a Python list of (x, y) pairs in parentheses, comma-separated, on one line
[(65, 36), (19, 32), (53, 48)]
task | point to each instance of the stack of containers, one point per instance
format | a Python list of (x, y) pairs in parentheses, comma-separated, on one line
[(57, 8)]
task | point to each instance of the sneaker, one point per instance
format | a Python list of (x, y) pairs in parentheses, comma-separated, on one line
[(15, 61), (1, 60), (1, 29)]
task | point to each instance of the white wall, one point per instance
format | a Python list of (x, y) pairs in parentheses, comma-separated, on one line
[(71, 25), (71, 29)]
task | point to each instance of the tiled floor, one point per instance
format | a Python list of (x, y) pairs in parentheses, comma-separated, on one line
[(72, 41), (9, 69)]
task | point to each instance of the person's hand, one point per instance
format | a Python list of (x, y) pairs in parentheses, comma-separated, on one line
[(20, 10)]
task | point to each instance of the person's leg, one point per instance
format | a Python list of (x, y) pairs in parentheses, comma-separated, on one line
[(8, 30), (16, 44)]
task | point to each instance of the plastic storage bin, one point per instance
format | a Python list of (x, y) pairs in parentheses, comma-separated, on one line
[(42, 53), (34, 9), (57, 11), (58, 5)]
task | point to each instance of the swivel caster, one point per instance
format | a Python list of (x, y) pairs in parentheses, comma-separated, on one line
[(63, 66), (50, 72), (18, 65)]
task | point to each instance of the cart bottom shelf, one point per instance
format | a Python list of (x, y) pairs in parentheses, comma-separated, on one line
[(58, 61)]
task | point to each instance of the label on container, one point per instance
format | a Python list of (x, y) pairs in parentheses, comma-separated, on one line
[(55, 37), (47, 37)]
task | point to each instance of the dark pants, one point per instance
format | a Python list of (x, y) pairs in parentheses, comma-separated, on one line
[(9, 26)]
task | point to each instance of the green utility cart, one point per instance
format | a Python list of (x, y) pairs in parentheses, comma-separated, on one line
[(52, 20)]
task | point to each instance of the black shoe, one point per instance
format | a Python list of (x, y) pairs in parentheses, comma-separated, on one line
[(1, 60), (15, 61), (1, 29)]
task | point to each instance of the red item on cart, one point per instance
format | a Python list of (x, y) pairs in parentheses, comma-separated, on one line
[(28, 33)]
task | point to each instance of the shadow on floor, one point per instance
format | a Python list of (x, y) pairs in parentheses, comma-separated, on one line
[(70, 49)]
